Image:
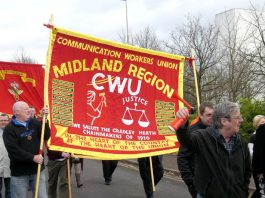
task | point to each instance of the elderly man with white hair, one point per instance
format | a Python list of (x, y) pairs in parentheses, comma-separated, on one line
[(22, 140)]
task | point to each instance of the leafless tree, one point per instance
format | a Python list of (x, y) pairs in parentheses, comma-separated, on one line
[(256, 52), (146, 38), (123, 37), (203, 39), (22, 57), (239, 79)]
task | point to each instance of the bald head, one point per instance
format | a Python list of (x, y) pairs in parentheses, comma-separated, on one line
[(21, 111)]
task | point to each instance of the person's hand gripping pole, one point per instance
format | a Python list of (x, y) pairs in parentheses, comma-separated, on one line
[(45, 112), (182, 115)]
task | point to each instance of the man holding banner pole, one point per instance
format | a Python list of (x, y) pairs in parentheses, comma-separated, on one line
[(22, 138)]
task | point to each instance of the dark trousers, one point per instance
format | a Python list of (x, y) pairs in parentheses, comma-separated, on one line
[(109, 167), (57, 171), (192, 191), (7, 187), (158, 172), (256, 194)]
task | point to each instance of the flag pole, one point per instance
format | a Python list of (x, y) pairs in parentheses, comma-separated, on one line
[(195, 78), (44, 118), (69, 178), (40, 152), (152, 174)]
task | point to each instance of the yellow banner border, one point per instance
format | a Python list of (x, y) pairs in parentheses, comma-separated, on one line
[(109, 156), (101, 155)]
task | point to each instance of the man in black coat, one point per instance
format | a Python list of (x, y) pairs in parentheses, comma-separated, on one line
[(185, 157), (222, 157)]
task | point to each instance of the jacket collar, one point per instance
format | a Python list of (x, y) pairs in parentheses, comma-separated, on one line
[(217, 135), (17, 123)]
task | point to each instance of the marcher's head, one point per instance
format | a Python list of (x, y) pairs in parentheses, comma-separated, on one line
[(258, 120), (4, 119), (206, 113), (227, 116), (21, 111), (32, 111)]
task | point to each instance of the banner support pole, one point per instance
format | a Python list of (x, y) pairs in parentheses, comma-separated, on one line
[(40, 152), (69, 178), (195, 78), (152, 174), (44, 118)]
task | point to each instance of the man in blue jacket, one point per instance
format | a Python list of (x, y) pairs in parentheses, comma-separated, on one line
[(22, 140)]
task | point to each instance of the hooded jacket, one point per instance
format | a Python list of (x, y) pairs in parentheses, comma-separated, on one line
[(218, 174)]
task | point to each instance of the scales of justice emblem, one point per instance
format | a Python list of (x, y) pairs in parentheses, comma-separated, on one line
[(128, 119), (14, 90)]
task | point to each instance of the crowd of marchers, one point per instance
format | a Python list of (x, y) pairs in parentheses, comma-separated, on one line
[(20, 158), (213, 159)]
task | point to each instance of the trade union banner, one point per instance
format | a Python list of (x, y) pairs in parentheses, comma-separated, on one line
[(21, 81), (109, 100)]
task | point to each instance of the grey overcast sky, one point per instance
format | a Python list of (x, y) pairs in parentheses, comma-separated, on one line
[(21, 25)]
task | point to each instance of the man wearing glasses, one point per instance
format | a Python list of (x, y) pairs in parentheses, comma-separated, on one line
[(223, 159), (4, 159)]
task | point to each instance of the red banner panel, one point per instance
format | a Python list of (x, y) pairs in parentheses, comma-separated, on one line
[(110, 100), (21, 81)]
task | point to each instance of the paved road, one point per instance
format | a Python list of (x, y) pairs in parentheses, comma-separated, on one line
[(126, 184)]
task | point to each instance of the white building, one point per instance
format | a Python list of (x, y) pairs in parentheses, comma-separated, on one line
[(240, 43), (238, 25)]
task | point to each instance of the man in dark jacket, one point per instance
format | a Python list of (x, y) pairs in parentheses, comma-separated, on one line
[(22, 140), (222, 157), (185, 157)]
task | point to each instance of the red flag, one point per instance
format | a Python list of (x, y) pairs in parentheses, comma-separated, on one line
[(21, 81)]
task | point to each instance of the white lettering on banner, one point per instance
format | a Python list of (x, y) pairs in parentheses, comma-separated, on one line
[(129, 132), (95, 128), (147, 133), (102, 134), (76, 125), (115, 84), (134, 99)]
